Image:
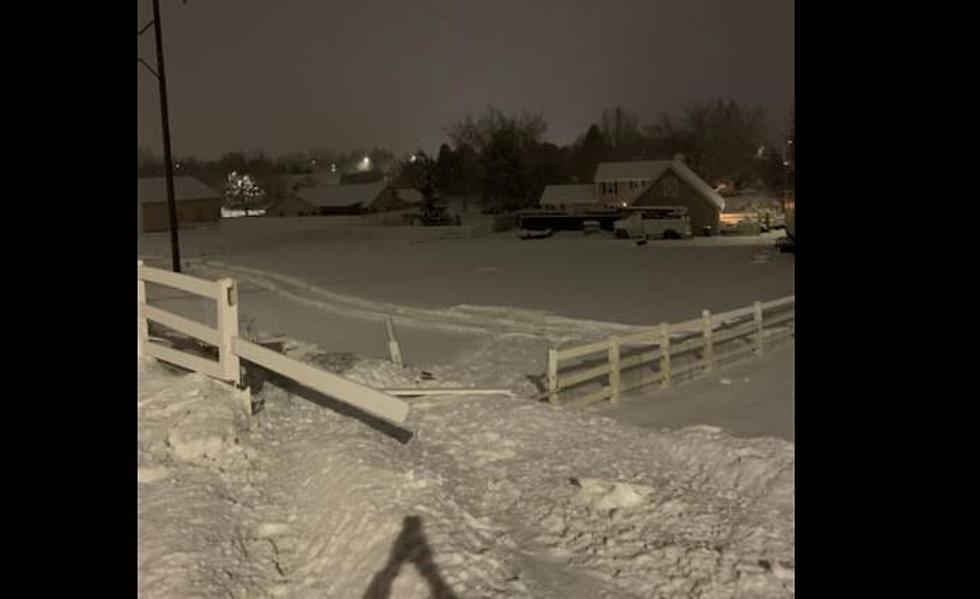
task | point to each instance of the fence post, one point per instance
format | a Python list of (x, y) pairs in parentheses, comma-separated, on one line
[(552, 375), (613, 370), (709, 343), (664, 354), (228, 329), (394, 349), (143, 329), (758, 328)]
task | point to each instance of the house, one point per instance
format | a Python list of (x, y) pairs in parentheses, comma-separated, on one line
[(396, 199), (344, 199), (410, 196), (290, 205), (660, 183), (573, 198), (282, 192), (196, 203)]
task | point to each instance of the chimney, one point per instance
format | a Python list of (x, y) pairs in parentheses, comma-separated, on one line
[(679, 157)]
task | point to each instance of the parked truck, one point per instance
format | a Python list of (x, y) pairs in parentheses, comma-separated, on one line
[(654, 223)]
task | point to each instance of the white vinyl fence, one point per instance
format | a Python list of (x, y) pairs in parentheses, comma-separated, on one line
[(664, 353)]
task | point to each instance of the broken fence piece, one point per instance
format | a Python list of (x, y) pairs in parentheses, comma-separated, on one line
[(420, 392)]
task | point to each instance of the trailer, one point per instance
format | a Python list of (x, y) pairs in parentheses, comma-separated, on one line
[(556, 220)]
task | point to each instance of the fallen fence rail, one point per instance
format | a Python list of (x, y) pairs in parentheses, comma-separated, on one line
[(436, 391), (232, 348), (678, 349)]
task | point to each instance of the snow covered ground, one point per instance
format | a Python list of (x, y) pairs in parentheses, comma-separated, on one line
[(493, 497), (751, 398), (570, 275)]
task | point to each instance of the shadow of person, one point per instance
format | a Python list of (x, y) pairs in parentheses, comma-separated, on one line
[(410, 546)]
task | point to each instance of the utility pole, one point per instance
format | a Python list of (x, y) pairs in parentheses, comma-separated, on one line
[(164, 115)]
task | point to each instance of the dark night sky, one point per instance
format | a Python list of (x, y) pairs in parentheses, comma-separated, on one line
[(284, 75)]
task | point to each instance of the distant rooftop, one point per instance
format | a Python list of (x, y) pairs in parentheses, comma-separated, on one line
[(341, 196), (296, 181), (410, 195), (554, 195), (154, 189)]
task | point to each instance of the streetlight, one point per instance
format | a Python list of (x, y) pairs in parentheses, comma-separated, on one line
[(165, 118)]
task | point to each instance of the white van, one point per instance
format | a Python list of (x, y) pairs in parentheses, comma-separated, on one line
[(668, 222)]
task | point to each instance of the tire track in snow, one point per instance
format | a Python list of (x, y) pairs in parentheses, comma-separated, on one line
[(496, 320)]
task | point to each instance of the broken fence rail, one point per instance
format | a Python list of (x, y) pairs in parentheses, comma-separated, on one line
[(232, 348)]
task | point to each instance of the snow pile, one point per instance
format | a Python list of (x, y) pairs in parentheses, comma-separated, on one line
[(601, 495), (197, 473)]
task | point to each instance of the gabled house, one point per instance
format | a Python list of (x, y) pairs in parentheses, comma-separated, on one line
[(396, 199), (344, 199), (196, 203), (283, 192), (660, 183), (409, 195)]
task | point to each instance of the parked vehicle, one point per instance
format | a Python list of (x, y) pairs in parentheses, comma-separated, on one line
[(654, 223), (535, 234), (434, 217)]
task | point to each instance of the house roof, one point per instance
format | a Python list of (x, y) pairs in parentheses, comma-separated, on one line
[(341, 196), (568, 194), (295, 181), (410, 195), (154, 189), (634, 169), (372, 176), (652, 170)]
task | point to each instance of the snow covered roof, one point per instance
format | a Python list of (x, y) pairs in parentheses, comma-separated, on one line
[(154, 189), (634, 169), (341, 196), (290, 182), (407, 194), (568, 194), (652, 170)]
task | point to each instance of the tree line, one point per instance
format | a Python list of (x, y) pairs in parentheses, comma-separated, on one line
[(503, 160)]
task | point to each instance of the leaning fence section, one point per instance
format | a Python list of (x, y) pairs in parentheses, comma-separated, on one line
[(231, 349), (604, 370)]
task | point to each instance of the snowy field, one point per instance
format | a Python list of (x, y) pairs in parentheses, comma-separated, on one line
[(597, 278), (493, 496)]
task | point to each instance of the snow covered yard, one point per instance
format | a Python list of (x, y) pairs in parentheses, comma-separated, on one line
[(493, 497)]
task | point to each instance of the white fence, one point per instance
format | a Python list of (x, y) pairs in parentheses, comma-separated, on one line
[(626, 362), (232, 348)]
